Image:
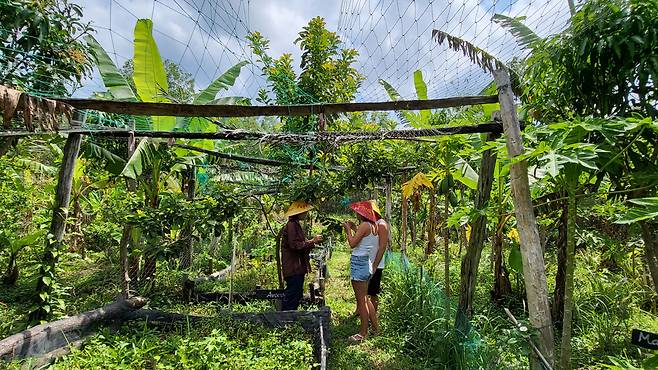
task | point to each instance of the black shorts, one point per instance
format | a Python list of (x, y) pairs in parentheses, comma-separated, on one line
[(375, 282)]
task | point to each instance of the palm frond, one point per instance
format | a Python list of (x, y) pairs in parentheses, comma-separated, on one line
[(525, 37), (478, 56)]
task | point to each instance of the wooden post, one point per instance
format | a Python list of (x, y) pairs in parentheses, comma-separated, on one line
[(403, 243), (232, 245), (127, 230), (389, 215), (57, 225), (534, 271), (471, 261), (431, 227)]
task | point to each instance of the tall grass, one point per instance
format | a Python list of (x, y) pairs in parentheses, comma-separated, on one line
[(414, 309)]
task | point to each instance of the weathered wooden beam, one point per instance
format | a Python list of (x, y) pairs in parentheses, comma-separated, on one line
[(193, 110), (45, 338)]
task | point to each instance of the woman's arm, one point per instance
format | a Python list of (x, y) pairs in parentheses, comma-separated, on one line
[(361, 231)]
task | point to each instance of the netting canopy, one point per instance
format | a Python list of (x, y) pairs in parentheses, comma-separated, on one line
[(393, 37)]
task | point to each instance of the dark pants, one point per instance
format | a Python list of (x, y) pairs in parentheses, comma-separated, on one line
[(293, 293)]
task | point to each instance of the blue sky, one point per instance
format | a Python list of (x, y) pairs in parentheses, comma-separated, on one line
[(393, 37)]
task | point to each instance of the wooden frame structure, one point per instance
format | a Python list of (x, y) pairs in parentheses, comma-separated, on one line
[(533, 263)]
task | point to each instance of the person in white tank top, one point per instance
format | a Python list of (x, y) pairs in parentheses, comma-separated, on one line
[(377, 257), (362, 240)]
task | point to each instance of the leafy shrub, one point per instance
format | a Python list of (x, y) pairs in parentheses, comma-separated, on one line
[(217, 343)]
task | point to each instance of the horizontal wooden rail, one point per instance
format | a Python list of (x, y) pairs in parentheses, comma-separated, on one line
[(194, 110)]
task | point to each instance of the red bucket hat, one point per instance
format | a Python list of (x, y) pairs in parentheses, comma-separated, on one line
[(364, 208)]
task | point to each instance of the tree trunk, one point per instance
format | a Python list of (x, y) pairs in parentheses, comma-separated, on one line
[(650, 237), (76, 239), (534, 270), (11, 274), (471, 261), (446, 245), (560, 277), (186, 234), (502, 284), (57, 227), (565, 346), (128, 267), (431, 218), (405, 209)]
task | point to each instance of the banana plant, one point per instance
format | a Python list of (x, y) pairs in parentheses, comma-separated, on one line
[(15, 246), (151, 83)]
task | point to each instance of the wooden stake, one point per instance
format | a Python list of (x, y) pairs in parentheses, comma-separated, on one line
[(57, 225), (534, 271), (389, 216)]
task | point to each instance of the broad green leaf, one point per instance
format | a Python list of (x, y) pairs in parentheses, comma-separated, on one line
[(553, 164), (115, 164), (113, 80), (421, 93), (143, 156), (420, 85), (224, 81), (392, 92), (525, 37), (515, 261), (465, 174), (149, 72), (648, 210)]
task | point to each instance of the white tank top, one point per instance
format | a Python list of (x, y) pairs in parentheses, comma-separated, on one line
[(366, 245), (373, 252)]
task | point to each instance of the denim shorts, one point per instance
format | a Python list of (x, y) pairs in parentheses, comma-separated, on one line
[(360, 268)]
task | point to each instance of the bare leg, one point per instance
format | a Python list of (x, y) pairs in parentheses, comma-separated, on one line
[(360, 290), (375, 302), (372, 315)]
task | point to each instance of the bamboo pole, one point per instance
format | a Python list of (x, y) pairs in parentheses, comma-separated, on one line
[(534, 271)]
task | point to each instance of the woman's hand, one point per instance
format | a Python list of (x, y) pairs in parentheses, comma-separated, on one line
[(317, 238)]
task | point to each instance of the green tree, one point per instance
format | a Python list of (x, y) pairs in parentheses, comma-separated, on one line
[(41, 51), (327, 74), (604, 63)]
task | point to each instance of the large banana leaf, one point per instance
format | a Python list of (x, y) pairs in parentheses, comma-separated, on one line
[(223, 82), (144, 154), (404, 116), (648, 209), (525, 37), (149, 72), (113, 80), (114, 163), (421, 92)]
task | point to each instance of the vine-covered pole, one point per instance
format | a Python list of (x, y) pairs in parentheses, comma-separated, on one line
[(53, 246), (534, 271)]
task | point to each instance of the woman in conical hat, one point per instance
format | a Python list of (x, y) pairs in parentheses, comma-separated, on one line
[(362, 239), (295, 250)]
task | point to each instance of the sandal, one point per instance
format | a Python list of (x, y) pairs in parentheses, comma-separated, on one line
[(356, 338)]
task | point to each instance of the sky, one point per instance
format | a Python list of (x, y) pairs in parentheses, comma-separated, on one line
[(393, 37)]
